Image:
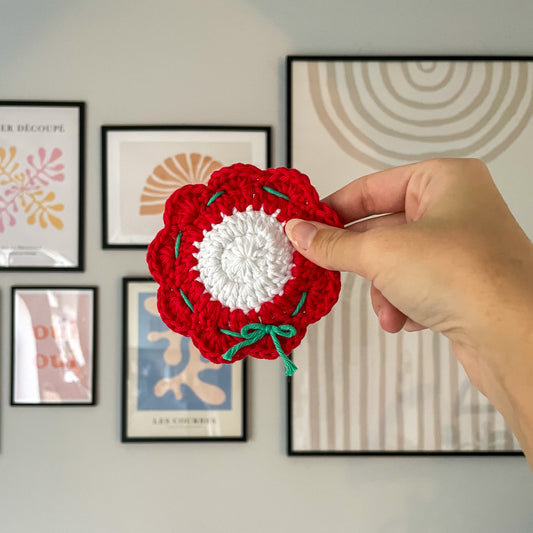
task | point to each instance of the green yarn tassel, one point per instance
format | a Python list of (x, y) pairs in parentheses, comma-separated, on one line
[(252, 333), (290, 367)]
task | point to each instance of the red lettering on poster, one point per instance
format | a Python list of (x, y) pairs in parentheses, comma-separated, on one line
[(63, 330), (42, 361), (40, 332)]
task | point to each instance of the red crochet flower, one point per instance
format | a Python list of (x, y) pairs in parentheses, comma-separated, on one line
[(229, 277)]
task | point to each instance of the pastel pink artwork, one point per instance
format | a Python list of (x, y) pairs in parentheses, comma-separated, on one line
[(29, 193)]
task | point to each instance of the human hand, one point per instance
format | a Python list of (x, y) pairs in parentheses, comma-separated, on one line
[(446, 254)]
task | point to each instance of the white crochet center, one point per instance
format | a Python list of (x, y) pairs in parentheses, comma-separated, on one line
[(245, 260)]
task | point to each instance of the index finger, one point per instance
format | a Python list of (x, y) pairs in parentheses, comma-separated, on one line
[(374, 194)]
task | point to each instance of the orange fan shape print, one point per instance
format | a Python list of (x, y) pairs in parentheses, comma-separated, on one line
[(171, 174)]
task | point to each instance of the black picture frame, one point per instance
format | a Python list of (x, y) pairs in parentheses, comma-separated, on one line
[(165, 425), (164, 134), (322, 446), (54, 379), (42, 129)]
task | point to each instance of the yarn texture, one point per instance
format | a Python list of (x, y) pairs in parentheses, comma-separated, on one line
[(228, 276)]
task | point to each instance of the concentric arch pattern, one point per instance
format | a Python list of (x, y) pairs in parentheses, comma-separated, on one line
[(387, 113)]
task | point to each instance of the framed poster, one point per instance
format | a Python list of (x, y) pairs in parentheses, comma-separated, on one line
[(41, 185), (53, 345), (358, 389), (143, 165), (171, 392)]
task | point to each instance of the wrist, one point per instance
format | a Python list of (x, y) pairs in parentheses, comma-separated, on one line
[(497, 343), (508, 353)]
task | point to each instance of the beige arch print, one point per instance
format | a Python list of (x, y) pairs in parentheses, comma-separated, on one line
[(356, 149), (430, 88), (475, 102), (425, 136)]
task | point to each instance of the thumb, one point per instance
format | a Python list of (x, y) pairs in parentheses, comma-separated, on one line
[(334, 248)]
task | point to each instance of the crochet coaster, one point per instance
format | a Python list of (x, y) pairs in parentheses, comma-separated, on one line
[(229, 277)]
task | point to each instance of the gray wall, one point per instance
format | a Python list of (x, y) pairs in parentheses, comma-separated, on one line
[(213, 61)]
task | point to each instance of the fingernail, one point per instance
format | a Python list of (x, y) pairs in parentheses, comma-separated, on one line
[(301, 233)]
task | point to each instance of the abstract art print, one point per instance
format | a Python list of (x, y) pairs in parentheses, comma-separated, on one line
[(360, 390), (53, 345), (170, 391), (41, 185), (143, 165)]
